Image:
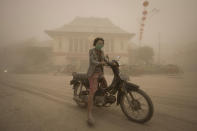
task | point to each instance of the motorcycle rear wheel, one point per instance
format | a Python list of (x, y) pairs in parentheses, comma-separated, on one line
[(76, 93)]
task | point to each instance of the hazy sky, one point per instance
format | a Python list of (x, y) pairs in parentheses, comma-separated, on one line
[(176, 21)]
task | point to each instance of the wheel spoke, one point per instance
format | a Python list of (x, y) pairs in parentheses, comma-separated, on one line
[(142, 104), (139, 98), (142, 110), (131, 95)]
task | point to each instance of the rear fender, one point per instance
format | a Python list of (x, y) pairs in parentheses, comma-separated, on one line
[(74, 82)]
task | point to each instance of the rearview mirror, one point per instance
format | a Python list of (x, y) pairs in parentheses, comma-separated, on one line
[(118, 57)]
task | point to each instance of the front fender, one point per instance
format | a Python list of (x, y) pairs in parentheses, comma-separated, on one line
[(129, 87)]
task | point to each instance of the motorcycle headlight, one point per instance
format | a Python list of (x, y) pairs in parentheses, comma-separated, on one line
[(124, 77)]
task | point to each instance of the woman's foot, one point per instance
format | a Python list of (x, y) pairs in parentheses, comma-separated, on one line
[(90, 120)]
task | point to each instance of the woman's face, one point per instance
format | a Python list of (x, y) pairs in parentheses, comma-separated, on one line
[(99, 44)]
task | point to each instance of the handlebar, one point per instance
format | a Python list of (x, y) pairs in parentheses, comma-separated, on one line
[(109, 63)]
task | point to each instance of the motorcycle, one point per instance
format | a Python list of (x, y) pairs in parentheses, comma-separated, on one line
[(134, 102)]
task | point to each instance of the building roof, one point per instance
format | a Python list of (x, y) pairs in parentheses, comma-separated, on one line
[(90, 25)]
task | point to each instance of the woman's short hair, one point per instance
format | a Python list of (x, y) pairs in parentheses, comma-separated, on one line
[(97, 39)]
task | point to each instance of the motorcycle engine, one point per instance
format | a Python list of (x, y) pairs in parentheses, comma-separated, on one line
[(99, 100), (104, 100), (110, 99)]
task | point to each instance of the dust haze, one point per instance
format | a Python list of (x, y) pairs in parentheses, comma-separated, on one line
[(175, 21), (43, 41)]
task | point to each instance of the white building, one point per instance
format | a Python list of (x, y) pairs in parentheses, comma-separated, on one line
[(73, 40)]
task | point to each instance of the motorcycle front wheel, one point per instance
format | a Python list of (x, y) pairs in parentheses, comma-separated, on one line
[(137, 106)]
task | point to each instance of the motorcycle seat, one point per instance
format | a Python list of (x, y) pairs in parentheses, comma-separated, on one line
[(80, 76)]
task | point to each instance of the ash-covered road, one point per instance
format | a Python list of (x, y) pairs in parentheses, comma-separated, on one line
[(44, 103)]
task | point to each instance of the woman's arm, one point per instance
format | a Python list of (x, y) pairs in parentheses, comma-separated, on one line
[(92, 60), (103, 56)]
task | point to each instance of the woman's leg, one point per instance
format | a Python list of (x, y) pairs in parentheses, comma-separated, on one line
[(93, 80)]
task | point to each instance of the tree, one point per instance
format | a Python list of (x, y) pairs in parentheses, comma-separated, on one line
[(141, 55), (36, 55), (145, 54)]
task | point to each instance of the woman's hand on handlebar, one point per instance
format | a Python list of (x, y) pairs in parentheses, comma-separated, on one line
[(103, 63)]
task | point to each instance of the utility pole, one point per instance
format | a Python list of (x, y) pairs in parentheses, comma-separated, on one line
[(140, 42), (159, 46)]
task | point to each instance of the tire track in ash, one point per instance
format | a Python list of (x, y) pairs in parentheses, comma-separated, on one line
[(35, 86), (36, 92)]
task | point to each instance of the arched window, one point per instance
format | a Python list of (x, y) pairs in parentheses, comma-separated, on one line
[(60, 44), (70, 45), (75, 45), (86, 45), (90, 44), (80, 42), (107, 45)]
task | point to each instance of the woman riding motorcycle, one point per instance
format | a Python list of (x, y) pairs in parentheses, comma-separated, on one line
[(95, 71)]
